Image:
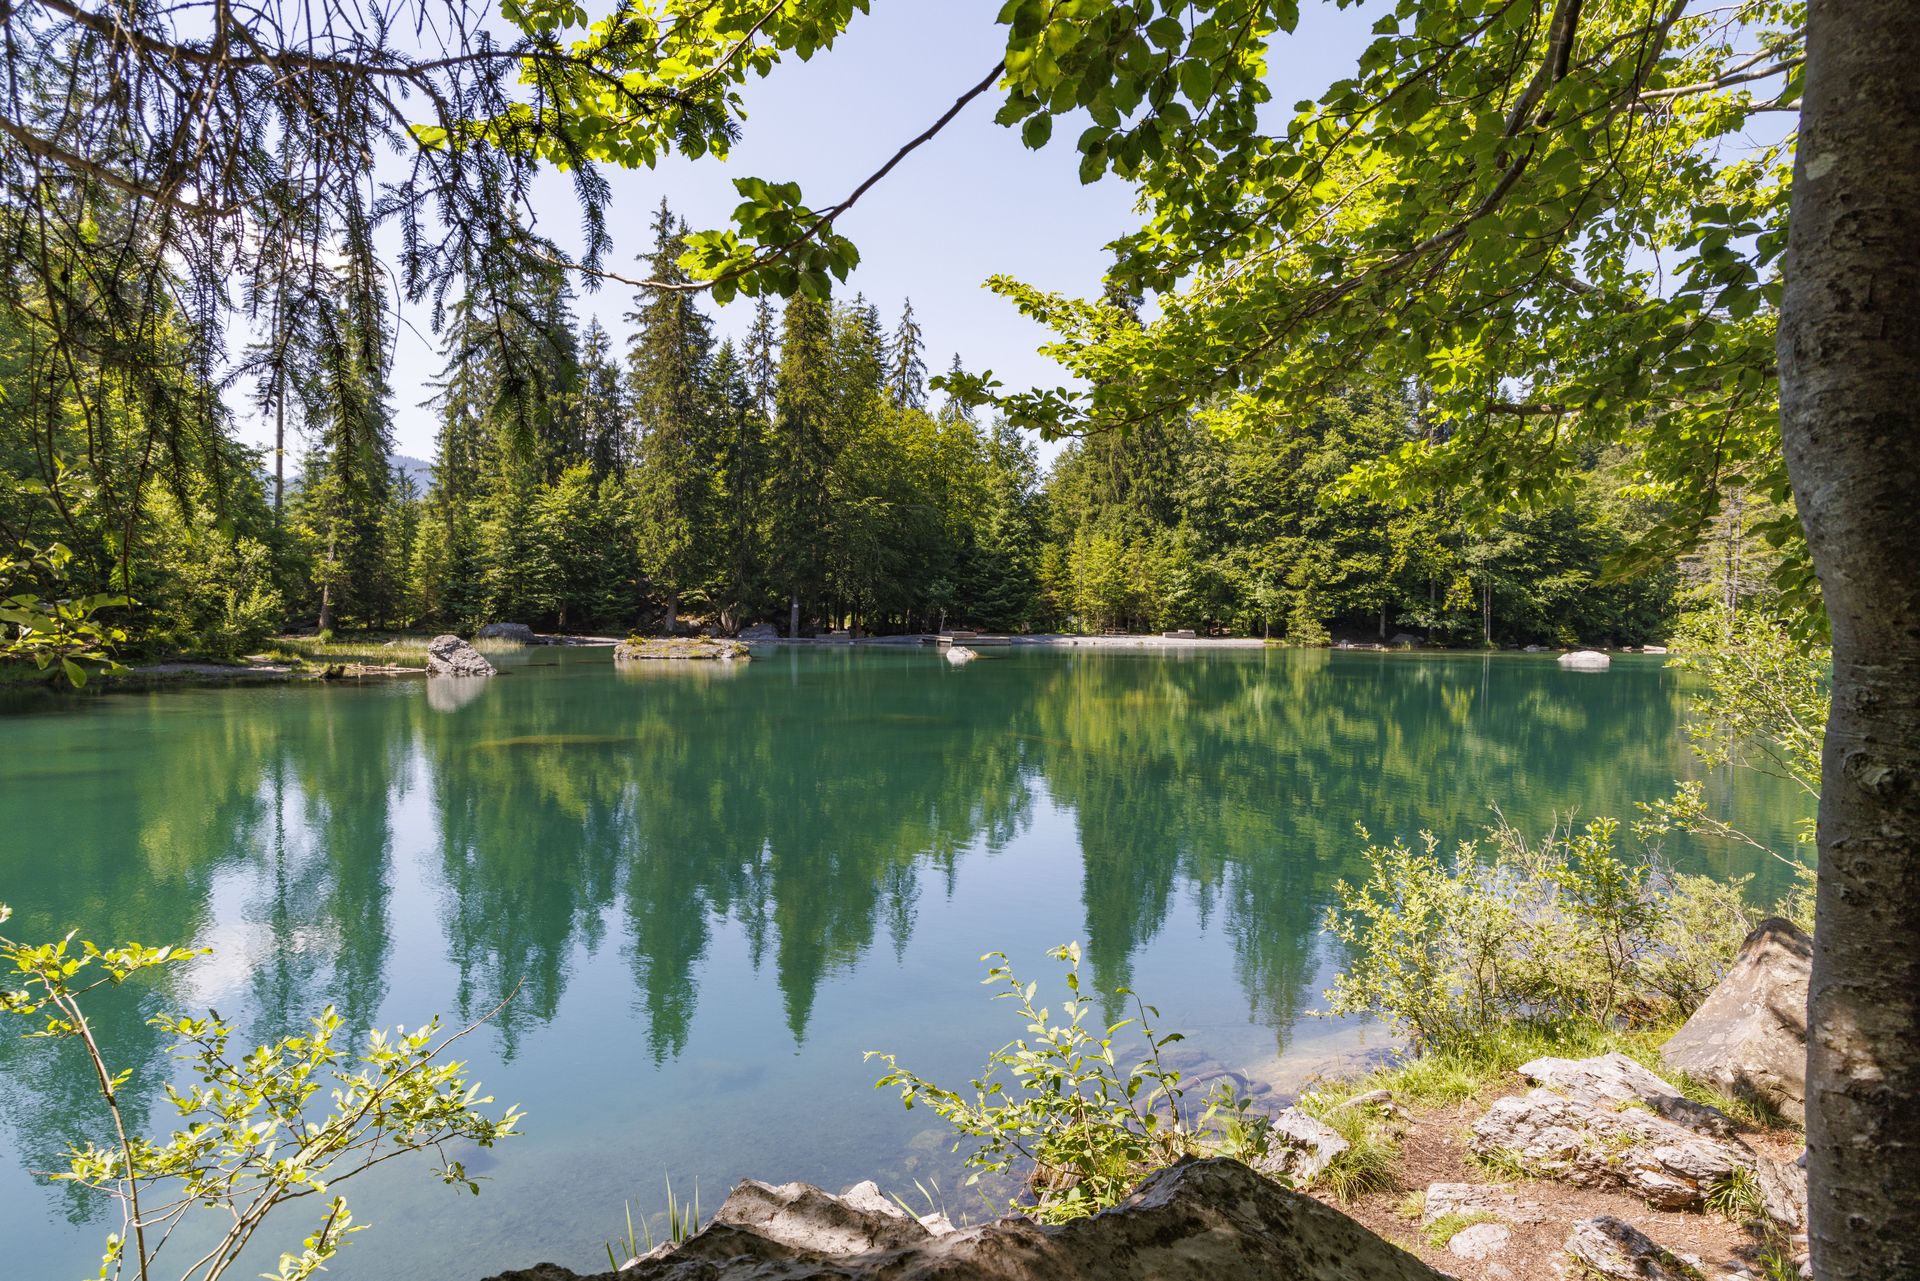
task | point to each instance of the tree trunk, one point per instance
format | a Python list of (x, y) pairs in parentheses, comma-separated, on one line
[(1850, 418), (793, 617), (673, 612)]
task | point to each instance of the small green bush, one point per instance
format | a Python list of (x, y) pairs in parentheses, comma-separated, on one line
[(1456, 950), (1060, 1100)]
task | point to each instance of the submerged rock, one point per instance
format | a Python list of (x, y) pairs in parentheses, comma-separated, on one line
[(450, 656), (1615, 1250), (1212, 1220), (506, 631), (1749, 1037), (1586, 660)]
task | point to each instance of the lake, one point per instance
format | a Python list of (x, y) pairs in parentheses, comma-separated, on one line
[(715, 886)]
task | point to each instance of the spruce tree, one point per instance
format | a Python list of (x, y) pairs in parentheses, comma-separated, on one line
[(673, 483), (798, 502), (906, 363)]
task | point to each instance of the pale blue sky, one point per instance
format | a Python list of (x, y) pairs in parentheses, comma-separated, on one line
[(970, 203)]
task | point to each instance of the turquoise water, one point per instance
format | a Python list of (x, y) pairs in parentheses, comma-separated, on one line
[(715, 887)]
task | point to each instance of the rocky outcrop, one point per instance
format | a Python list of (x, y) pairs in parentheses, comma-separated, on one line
[(1617, 1079), (1610, 1248), (450, 656), (1212, 1220), (1783, 1191), (1586, 660), (518, 632), (1602, 1126), (1299, 1147), (1749, 1037), (636, 651), (760, 632)]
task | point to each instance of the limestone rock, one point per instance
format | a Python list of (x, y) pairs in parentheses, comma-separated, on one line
[(1477, 1241), (450, 656), (1594, 1143), (506, 631), (1299, 1147), (1749, 1037), (959, 655), (1497, 1199), (1783, 1191), (1586, 660), (1405, 640), (1609, 1248), (802, 1218), (1617, 1080), (1212, 1220), (760, 632)]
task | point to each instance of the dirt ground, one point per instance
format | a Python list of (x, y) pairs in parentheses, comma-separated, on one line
[(1434, 1150)]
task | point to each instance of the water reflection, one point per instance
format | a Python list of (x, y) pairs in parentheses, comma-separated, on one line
[(341, 844)]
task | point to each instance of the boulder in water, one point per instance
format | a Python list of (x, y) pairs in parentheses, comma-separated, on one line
[(450, 656), (959, 655), (1586, 660)]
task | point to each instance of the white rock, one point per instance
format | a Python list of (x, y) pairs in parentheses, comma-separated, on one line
[(1478, 1240), (960, 654), (1617, 1251), (1586, 660)]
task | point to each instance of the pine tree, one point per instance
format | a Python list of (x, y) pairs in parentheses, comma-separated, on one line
[(742, 464), (762, 356), (674, 487), (906, 363), (798, 502)]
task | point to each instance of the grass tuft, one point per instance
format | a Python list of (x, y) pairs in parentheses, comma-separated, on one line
[(1452, 1223)]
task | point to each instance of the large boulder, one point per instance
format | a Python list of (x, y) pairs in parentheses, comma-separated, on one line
[(1586, 660), (1614, 1250), (760, 632), (1749, 1037), (518, 632), (1212, 1220), (1592, 1130), (451, 656)]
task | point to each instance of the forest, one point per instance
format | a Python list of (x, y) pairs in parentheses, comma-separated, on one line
[(806, 474)]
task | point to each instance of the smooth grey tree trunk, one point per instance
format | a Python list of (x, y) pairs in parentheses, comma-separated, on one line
[(1850, 416)]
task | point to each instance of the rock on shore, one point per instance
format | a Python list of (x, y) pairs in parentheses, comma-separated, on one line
[(450, 656), (1210, 1220), (506, 631), (1749, 1037)]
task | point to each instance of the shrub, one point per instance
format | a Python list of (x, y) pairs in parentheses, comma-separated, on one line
[(1453, 950), (1060, 1100), (292, 1119)]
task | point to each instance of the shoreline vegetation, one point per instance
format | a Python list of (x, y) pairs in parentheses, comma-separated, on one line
[(382, 654)]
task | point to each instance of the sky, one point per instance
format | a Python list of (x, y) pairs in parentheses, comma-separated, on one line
[(971, 203)]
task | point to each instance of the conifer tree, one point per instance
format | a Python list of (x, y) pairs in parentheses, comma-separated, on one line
[(798, 501), (674, 489), (906, 363)]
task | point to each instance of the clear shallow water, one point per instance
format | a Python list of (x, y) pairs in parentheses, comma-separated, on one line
[(717, 887)]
